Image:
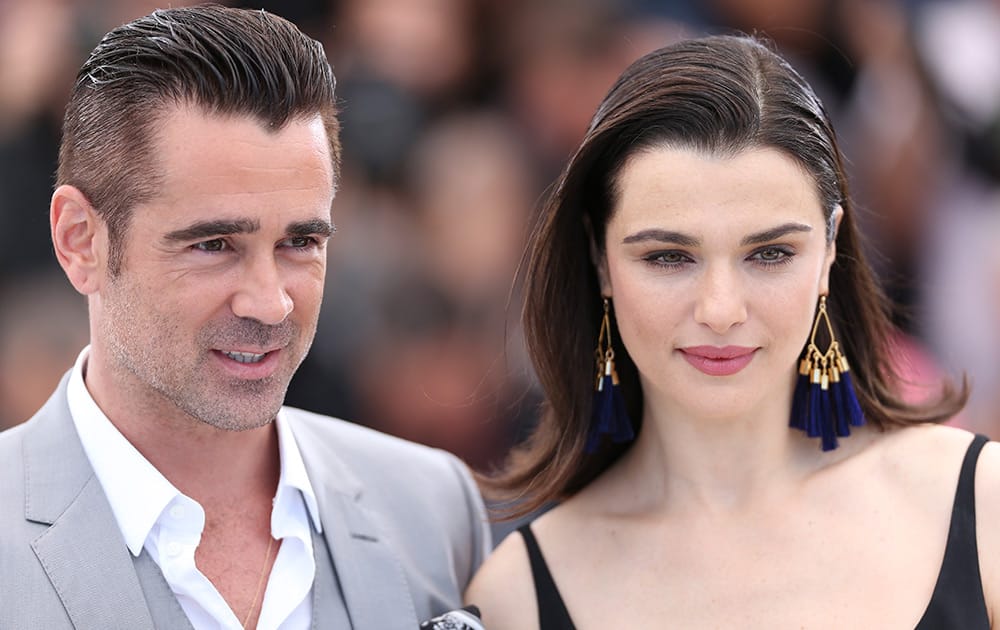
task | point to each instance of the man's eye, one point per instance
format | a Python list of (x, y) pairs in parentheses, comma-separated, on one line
[(214, 245), (302, 242)]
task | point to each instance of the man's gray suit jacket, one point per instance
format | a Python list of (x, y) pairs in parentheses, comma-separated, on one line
[(404, 525)]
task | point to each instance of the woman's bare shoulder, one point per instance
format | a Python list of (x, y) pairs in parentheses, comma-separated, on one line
[(938, 452), (503, 588), (916, 466), (925, 451)]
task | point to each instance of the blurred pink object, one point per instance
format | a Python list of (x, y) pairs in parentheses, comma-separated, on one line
[(919, 374)]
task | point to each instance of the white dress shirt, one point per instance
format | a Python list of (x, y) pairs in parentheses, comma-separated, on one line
[(154, 515)]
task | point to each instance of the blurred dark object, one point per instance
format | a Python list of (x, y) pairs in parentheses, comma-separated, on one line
[(381, 123), (27, 166)]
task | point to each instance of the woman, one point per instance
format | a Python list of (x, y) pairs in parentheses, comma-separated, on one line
[(703, 240)]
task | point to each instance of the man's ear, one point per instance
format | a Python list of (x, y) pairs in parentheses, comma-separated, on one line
[(79, 237), (598, 258), (831, 250)]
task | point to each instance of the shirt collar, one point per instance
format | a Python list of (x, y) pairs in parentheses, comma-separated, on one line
[(137, 492), (293, 472)]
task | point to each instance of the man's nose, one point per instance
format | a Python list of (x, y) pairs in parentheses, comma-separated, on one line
[(720, 302), (261, 294)]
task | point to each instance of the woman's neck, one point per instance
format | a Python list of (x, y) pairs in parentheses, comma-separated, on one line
[(720, 464)]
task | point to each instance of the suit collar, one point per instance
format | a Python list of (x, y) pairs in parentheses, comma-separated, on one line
[(56, 468), (82, 552), (371, 576)]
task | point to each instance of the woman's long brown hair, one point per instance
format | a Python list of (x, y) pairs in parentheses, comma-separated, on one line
[(721, 95)]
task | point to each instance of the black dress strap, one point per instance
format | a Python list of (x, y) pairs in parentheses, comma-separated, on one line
[(958, 600), (552, 613)]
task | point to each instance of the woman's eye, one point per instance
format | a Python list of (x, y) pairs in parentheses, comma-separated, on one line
[(667, 259), (214, 245), (772, 255)]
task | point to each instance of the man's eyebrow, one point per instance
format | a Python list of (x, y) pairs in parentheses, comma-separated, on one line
[(775, 233), (209, 229), (663, 236), (307, 228)]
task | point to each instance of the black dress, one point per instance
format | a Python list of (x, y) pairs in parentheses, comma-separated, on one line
[(957, 603)]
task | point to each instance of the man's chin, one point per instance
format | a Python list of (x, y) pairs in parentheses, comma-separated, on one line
[(249, 414), (238, 422), (240, 405)]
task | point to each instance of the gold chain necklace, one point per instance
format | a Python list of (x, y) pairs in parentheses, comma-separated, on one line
[(260, 582)]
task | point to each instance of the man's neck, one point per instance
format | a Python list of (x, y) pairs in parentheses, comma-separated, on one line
[(208, 464)]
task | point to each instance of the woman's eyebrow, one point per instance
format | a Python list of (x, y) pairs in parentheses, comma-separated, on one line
[(662, 236), (686, 240), (775, 233)]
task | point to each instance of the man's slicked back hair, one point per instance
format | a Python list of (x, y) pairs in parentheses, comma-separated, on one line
[(222, 60)]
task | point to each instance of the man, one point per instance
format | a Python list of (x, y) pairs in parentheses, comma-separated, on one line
[(163, 484)]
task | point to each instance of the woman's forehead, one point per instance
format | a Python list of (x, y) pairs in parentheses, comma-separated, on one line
[(692, 188)]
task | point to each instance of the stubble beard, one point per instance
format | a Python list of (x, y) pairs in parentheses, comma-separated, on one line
[(162, 372)]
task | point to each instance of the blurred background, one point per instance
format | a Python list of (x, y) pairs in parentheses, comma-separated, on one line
[(458, 113)]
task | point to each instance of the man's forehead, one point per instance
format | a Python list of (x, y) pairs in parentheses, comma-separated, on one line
[(198, 131), (200, 151)]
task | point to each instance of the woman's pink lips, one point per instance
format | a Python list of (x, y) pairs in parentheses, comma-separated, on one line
[(716, 361)]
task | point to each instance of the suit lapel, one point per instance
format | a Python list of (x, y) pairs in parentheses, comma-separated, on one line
[(82, 552), (375, 590), (90, 567), (371, 577)]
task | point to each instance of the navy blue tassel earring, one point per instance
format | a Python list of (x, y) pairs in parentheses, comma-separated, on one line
[(608, 416), (824, 404)]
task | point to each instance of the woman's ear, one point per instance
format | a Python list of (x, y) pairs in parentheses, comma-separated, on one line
[(831, 250), (598, 259), (79, 237)]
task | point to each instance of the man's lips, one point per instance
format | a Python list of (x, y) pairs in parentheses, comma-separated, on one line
[(718, 361), (247, 353), (244, 357), (249, 364)]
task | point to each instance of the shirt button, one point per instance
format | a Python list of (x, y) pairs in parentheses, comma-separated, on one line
[(174, 549), (177, 511)]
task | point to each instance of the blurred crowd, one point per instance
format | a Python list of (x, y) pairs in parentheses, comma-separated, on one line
[(456, 116)]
